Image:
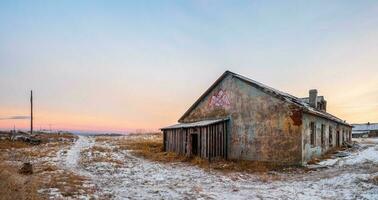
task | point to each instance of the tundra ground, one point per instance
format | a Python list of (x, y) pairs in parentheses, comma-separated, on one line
[(133, 167)]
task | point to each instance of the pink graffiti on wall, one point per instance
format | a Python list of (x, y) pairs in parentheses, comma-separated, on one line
[(219, 99)]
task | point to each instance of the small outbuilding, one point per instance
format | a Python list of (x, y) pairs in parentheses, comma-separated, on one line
[(239, 118), (365, 130)]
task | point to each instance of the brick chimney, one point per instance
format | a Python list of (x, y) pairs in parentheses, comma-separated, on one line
[(313, 94)]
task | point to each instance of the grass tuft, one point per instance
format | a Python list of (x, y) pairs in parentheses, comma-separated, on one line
[(9, 144), (152, 148)]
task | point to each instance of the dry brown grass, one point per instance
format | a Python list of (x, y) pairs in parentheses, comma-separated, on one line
[(329, 154), (69, 184), (107, 159), (17, 186), (101, 149), (246, 166), (47, 168), (48, 150), (99, 154), (149, 148), (146, 134), (152, 149), (374, 180), (23, 151), (36, 154), (99, 139), (9, 144), (46, 137)]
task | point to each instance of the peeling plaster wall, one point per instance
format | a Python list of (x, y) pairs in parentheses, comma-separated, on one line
[(310, 151), (262, 127)]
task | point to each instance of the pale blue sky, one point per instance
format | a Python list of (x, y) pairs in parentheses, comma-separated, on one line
[(140, 64)]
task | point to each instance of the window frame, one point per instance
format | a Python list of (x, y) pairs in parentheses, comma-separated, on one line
[(330, 136), (322, 135), (313, 133)]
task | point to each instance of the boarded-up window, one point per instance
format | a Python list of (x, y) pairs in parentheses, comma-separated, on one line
[(337, 138), (312, 133), (330, 134), (322, 135), (350, 135)]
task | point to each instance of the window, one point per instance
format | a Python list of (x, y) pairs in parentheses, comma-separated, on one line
[(337, 138), (330, 135), (350, 136), (313, 133), (322, 135)]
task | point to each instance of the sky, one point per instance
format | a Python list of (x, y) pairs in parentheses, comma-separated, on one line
[(139, 65)]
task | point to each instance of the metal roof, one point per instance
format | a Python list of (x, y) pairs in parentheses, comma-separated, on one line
[(269, 90), (365, 127), (194, 124), (359, 132)]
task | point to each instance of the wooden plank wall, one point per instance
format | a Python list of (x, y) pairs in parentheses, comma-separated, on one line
[(175, 140), (211, 143)]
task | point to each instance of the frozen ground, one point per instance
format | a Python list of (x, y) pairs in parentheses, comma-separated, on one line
[(119, 175), (72, 156)]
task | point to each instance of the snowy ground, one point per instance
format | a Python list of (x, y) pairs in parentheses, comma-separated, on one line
[(119, 175)]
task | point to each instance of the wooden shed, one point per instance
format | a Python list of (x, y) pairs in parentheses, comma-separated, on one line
[(206, 139)]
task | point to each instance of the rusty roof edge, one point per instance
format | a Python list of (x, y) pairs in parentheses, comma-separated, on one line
[(196, 124), (331, 117), (273, 92)]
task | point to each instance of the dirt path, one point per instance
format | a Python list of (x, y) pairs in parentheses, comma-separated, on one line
[(73, 154), (71, 160), (134, 178)]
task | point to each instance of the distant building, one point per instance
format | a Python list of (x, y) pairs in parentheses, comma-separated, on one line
[(365, 130), (239, 118)]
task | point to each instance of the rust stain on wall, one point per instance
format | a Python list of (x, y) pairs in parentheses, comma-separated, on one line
[(296, 116)]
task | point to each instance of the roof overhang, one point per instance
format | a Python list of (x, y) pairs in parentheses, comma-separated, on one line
[(194, 124)]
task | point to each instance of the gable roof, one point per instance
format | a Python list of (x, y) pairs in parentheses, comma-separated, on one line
[(271, 91)]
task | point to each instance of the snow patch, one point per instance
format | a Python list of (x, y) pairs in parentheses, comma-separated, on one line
[(136, 178), (364, 155)]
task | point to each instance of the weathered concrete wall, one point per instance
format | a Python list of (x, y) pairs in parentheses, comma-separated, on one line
[(262, 127), (310, 151)]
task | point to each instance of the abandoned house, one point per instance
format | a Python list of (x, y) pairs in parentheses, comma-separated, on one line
[(365, 130), (239, 118)]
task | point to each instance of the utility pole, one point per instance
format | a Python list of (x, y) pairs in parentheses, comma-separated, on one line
[(14, 132), (31, 112)]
